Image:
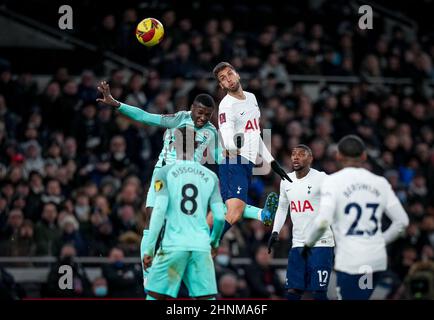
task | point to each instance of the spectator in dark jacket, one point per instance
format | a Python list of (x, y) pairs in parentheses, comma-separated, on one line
[(124, 280), (81, 286)]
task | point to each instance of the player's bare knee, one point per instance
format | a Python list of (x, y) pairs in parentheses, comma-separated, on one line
[(233, 216), (235, 210)]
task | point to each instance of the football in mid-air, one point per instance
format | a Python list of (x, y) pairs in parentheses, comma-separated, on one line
[(149, 32)]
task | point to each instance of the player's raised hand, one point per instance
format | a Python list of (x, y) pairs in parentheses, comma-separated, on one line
[(272, 240), (278, 169), (147, 262), (104, 89)]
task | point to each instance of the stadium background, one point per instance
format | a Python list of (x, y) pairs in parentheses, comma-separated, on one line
[(73, 174)]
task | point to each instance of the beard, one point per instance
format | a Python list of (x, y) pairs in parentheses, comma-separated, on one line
[(299, 168), (234, 89)]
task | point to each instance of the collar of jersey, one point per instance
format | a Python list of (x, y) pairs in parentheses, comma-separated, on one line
[(310, 170), (183, 161)]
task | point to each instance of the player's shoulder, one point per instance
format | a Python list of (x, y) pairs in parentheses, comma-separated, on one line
[(335, 176), (318, 173), (210, 126), (180, 116), (183, 114), (292, 176), (379, 179), (226, 102), (249, 94), (162, 172)]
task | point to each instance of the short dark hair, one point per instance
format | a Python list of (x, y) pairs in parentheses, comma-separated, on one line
[(351, 146), (305, 147), (205, 99), (220, 66)]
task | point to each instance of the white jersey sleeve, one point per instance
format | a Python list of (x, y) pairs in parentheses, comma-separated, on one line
[(396, 214), (326, 214), (263, 151), (282, 209), (227, 125)]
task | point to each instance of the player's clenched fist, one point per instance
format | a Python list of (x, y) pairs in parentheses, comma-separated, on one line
[(147, 262)]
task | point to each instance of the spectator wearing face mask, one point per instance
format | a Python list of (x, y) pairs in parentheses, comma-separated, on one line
[(99, 287)]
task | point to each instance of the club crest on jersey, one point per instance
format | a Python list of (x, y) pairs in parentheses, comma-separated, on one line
[(308, 189), (158, 185), (222, 118), (301, 206)]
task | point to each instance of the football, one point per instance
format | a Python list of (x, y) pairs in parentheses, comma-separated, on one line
[(150, 32)]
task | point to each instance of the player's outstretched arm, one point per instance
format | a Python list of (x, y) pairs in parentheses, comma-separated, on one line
[(137, 114)]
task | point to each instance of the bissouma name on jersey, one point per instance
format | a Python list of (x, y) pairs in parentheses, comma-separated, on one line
[(361, 187), (188, 170)]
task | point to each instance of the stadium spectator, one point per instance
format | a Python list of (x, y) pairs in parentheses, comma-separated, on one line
[(55, 139), (81, 286), (123, 280)]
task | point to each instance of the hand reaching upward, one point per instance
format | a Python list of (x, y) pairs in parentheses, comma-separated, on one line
[(104, 89)]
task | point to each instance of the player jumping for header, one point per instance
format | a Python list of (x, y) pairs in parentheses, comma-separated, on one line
[(239, 117), (206, 134)]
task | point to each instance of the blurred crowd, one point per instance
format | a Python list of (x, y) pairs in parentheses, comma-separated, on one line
[(74, 174)]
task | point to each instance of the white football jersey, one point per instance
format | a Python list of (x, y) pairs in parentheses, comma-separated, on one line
[(353, 201), (241, 117), (302, 198)]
